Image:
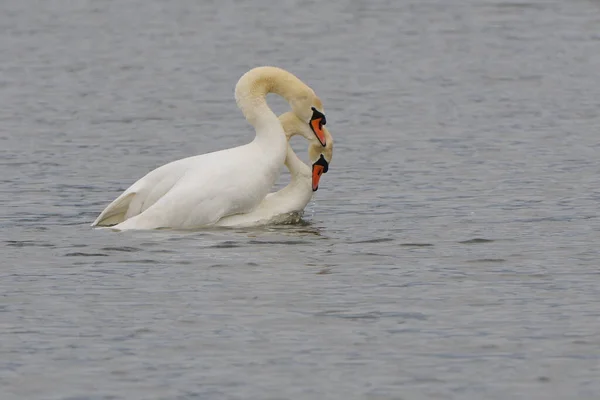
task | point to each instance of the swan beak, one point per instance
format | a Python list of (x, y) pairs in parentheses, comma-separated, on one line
[(316, 176), (317, 127), (320, 167)]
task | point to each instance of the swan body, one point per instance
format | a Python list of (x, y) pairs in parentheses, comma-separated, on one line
[(298, 193), (200, 190)]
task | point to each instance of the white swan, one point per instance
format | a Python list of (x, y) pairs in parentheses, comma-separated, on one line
[(200, 190), (304, 179)]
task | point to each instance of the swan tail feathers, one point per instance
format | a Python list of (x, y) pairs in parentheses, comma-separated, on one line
[(116, 211)]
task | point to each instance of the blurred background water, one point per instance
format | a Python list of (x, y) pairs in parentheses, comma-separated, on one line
[(451, 252)]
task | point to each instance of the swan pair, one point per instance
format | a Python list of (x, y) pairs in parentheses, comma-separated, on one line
[(231, 187)]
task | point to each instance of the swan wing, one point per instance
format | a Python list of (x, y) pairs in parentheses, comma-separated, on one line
[(143, 193), (213, 185), (115, 212)]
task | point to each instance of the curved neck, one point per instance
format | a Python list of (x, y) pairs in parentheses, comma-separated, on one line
[(293, 126), (295, 165), (296, 194), (252, 89)]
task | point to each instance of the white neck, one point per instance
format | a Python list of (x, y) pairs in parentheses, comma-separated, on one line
[(296, 195), (292, 198), (251, 92), (297, 167)]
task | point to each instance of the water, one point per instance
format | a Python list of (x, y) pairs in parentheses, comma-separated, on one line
[(450, 253)]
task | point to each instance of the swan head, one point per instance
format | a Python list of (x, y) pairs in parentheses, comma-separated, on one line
[(321, 157), (312, 129), (309, 109)]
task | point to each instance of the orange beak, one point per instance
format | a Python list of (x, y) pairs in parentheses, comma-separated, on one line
[(316, 176), (317, 127), (320, 167)]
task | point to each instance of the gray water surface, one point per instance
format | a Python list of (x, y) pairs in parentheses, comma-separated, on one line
[(451, 252)]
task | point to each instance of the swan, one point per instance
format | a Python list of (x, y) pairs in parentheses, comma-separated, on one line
[(304, 179), (200, 190)]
